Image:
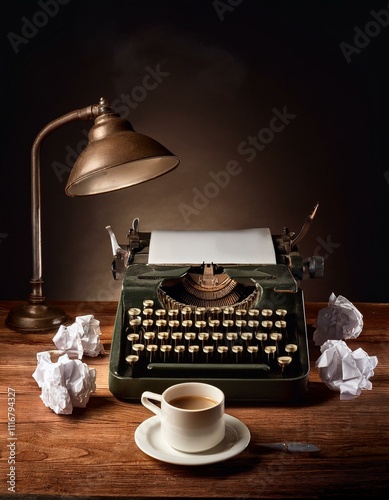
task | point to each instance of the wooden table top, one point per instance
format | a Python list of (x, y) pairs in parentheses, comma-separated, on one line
[(92, 452)]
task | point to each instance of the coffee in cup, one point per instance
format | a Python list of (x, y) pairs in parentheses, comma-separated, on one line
[(191, 414)]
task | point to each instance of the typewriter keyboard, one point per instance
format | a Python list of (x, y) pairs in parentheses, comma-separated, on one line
[(198, 342)]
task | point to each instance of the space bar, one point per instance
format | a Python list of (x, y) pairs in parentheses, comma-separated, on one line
[(208, 369)]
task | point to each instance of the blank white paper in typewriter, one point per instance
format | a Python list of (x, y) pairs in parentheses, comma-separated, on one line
[(245, 246)]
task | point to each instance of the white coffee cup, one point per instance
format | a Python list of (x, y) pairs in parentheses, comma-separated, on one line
[(192, 415)]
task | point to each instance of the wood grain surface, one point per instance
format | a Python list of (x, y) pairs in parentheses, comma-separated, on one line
[(92, 453)]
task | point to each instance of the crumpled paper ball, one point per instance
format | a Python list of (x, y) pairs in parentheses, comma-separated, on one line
[(344, 370), (340, 320), (66, 383), (82, 337)]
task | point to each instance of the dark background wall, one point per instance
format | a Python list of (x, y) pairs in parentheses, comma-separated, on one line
[(222, 70)]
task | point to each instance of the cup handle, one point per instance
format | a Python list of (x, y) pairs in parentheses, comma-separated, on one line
[(148, 404)]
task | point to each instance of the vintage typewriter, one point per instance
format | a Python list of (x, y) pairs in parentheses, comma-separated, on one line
[(238, 325)]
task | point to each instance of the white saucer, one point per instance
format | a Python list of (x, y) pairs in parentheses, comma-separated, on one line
[(149, 440)]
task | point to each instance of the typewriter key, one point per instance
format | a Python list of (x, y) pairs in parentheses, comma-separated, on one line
[(252, 350), (208, 351), (240, 313), (232, 337), (134, 323), (148, 313), (160, 313), (148, 303), (174, 324), (200, 313), (186, 324), (132, 359), (152, 348), (149, 336), (176, 336), (276, 337), (132, 337), (237, 350), (228, 313), (253, 325), (217, 337), (189, 336), (222, 350), (133, 312), (281, 313), (161, 325), (267, 325), (284, 361), (165, 349), (213, 324), (266, 313), (290, 348), (262, 337), (280, 325), (200, 325), (138, 348), (270, 350), (254, 313), (163, 336), (179, 350), (193, 349), (240, 325), (186, 313), (228, 324), (203, 336)]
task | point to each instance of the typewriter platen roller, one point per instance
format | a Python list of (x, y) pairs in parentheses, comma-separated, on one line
[(239, 325)]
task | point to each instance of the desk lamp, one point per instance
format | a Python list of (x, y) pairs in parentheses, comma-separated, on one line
[(116, 157)]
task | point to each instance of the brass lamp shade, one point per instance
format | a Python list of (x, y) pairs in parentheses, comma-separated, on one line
[(117, 157)]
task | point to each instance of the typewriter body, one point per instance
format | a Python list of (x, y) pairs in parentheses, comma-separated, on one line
[(237, 325)]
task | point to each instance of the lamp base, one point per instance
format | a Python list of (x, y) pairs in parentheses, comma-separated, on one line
[(36, 318)]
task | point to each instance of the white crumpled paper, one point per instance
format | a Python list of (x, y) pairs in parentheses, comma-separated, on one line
[(66, 383), (340, 320), (82, 337), (344, 370)]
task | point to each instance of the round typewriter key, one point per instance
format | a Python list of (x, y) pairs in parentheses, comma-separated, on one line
[(240, 325), (266, 313), (213, 324), (174, 324), (280, 325), (149, 336), (276, 337), (173, 314), (237, 350), (228, 313), (138, 348), (223, 351), (186, 313), (193, 349), (179, 350), (214, 313), (147, 324), (240, 313), (281, 313), (231, 337), (290, 348), (133, 312), (228, 324), (252, 350), (246, 337), (161, 324), (152, 348), (189, 336), (148, 303), (176, 336), (270, 350), (253, 325), (262, 337), (200, 313), (165, 349), (200, 325), (132, 337), (148, 312), (284, 361), (160, 313), (163, 336), (254, 313), (217, 337), (267, 324), (208, 351), (131, 359), (186, 324)]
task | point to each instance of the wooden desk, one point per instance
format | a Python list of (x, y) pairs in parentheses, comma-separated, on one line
[(92, 452)]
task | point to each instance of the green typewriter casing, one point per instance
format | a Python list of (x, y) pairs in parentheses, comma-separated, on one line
[(271, 287)]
